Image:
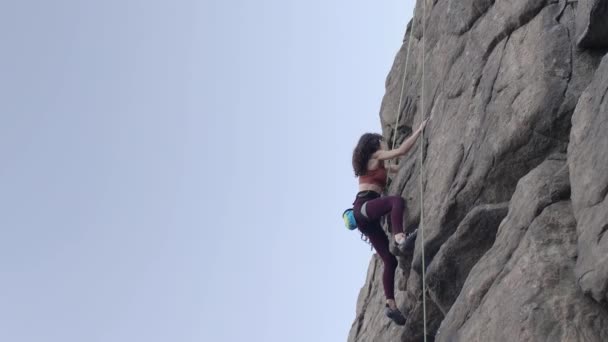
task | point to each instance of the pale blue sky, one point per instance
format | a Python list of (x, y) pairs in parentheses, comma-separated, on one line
[(176, 170)]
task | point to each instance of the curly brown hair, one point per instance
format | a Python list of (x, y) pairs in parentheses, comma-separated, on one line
[(368, 144)]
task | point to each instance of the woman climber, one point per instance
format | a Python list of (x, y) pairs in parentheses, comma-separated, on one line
[(369, 206)]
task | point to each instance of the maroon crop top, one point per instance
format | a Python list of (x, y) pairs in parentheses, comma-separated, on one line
[(377, 176)]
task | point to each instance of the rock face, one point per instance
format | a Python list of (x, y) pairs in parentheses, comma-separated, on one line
[(534, 297), (524, 288), (508, 246), (451, 266), (588, 160), (592, 23)]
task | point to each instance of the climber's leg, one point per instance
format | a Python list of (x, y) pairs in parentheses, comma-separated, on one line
[(381, 206), (378, 239)]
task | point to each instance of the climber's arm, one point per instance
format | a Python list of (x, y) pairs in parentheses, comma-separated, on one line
[(404, 148)]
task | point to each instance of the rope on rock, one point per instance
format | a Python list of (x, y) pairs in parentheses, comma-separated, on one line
[(422, 174), (421, 226)]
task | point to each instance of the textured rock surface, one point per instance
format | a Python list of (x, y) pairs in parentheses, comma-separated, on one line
[(451, 266), (534, 297), (502, 79), (547, 184), (592, 23), (588, 160)]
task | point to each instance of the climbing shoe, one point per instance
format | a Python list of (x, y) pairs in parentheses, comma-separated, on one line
[(395, 315), (409, 242)]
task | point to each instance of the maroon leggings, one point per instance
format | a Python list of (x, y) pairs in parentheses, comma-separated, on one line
[(377, 207)]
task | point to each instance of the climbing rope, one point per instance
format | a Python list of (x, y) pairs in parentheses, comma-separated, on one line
[(421, 228), (407, 56), (422, 174)]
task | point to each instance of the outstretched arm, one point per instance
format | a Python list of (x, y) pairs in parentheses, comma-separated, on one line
[(404, 148)]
